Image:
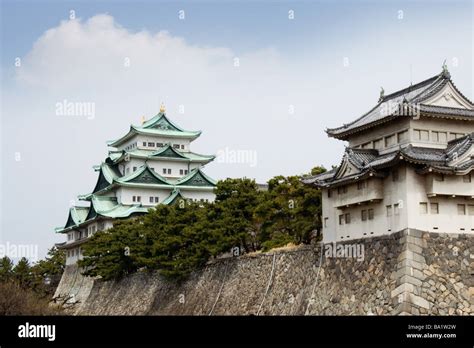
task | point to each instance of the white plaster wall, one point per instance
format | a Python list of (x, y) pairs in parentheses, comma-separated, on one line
[(139, 139), (447, 221), (125, 195), (393, 193), (380, 132), (158, 166), (424, 123), (209, 195), (440, 125), (72, 259)]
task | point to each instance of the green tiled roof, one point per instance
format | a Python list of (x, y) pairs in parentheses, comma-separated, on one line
[(107, 174), (159, 125), (146, 177), (196, 178), (76, 216), (108, 207), (143, 175), (176, 194), (160, 121), (167, 152), (114, 155), (100, 206)]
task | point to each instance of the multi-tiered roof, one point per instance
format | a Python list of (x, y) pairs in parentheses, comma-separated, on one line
[(410, 99), (416, 100), (103, 202)]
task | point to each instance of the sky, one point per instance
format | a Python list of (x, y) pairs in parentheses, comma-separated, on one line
[(262, 79)]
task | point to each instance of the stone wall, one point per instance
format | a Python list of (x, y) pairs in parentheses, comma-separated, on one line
[(408, 272)]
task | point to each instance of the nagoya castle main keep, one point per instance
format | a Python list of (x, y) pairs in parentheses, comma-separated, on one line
[(151, 164)]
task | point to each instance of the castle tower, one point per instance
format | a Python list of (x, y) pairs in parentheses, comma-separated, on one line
[(151, 164), (409, 164)]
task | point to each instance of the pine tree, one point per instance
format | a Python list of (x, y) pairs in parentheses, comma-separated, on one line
[(6, 269), (22, 273)]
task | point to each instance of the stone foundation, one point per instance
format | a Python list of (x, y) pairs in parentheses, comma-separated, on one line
[(408, 272)]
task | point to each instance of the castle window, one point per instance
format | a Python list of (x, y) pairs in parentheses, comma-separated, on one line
[(396, 209), (181, 172), (151, 199), (371, 214), (348, 218), (423, 208), (401, 136), (442, 137), (156, 199), (169, 171), (342, 189), (325, 222), (341, 219), (176, 146), (182, 147), (185, 172), (134, 168), (461, 209), (329, 193), (466, 178), (361, 185), (144, 143), (422, 135), (363, 215), (434, 208), (470, 209), (159, 145), (390, 140), (164, 170), (439, 177), (151, 144), (378, 144), (389, 210), (395, 176), (453, 136)]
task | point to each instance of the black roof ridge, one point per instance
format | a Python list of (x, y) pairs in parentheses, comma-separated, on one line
[(469, 135), (388, 97), (373, 151), (408, 89), (357, 119)]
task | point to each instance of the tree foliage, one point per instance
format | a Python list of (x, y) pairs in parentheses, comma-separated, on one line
[(39, 279), (113, 253), (177, 239)]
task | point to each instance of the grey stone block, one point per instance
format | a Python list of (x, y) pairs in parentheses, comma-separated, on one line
[(410, 280)]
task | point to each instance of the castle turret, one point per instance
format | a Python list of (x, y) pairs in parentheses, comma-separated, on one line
[(151, 164)]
